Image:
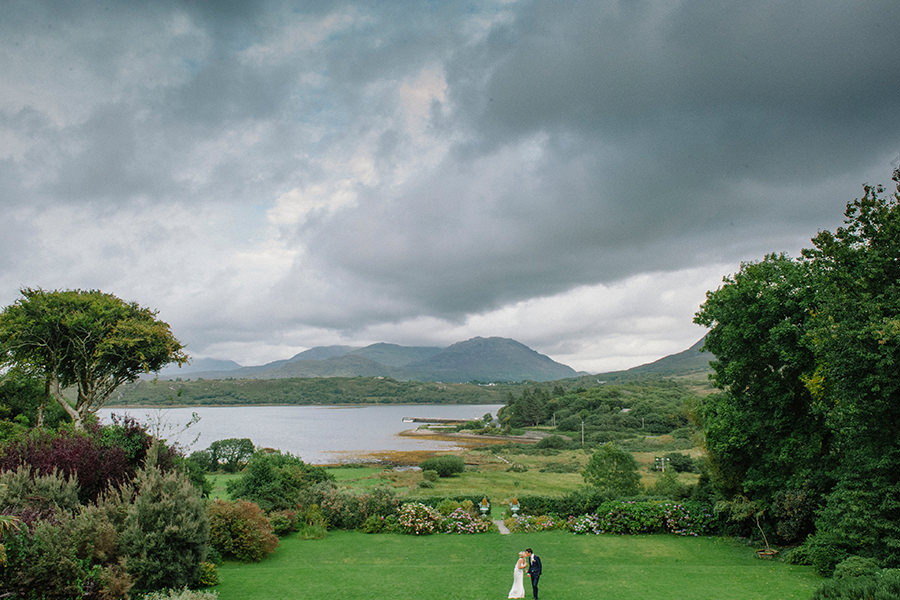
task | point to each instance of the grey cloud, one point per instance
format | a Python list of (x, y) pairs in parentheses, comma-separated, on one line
[(577, 143), (656, 123)]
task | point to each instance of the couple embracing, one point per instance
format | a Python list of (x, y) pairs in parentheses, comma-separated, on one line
[(530, 563)]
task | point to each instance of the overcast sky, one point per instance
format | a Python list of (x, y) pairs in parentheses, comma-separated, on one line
[(273, 176)]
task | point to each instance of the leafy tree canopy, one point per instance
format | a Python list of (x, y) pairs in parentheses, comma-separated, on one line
[(613, 472), (230, 454), (807, 352), (88, 340), (274, 480)]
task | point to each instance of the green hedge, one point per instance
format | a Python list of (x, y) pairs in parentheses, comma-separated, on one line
[(635, 517), (578, 502), (434, 501)]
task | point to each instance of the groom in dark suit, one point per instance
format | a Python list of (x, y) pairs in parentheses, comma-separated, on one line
[(534, 570)]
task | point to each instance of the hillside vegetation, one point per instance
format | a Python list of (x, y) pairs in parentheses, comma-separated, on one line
[(690, 368), (304, 391)]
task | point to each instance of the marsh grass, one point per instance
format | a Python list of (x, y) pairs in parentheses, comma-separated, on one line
[(489, 473), (352, 565)]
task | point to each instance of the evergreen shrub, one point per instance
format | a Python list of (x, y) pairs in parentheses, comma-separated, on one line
[(557, 442), (275, 480), (434, 501), (166, 531), (283, 522), (43, 558), (378, 524), (209, 574), (824, 551), (32, 494), (446, 465), (682, 463), (577, 502), (561, 467), (182, 594), (670, 487), (856, 566), (883, 585)]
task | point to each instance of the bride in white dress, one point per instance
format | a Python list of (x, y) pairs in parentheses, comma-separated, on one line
[(518, 587)]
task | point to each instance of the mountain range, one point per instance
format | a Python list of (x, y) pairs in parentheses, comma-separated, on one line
[(492, 359)]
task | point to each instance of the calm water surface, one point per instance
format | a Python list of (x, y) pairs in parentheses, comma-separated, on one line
[(317, 434)]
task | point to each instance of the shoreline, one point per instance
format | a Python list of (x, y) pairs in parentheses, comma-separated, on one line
[(529, 438), (412, 458), (113, 405)]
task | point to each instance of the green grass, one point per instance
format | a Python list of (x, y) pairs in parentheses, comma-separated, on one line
[(219, 480), (353, 565), (503, 485), (488, 473)]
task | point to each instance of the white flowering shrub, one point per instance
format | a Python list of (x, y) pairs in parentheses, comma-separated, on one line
[(417, 519), (461, 521)]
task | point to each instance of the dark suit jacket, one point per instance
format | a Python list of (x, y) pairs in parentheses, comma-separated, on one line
[(534, 568)]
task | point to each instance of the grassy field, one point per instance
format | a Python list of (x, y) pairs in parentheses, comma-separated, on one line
[(400, 567), (500, 474), (353, 565), (487, 473)]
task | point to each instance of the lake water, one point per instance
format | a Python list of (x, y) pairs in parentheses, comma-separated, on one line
[(317, 434)]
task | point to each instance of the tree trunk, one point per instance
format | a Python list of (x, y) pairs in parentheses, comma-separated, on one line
[(70, 410)]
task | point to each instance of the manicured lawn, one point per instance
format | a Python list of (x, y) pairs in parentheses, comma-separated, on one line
[(353, 565)]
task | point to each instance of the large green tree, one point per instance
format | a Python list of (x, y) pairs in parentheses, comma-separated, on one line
[(807, 355), (856, 339), (87, 340), (613, 472), (764, 438), (231, 454)]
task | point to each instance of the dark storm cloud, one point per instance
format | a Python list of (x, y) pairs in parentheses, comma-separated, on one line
[(656, 125), (287, 173)]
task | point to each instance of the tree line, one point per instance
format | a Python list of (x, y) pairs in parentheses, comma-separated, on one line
[(303, 391), (649, 407)]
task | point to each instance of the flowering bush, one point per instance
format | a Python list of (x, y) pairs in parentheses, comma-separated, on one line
[(630, 517), (417, 519), (687, 518), (182, 594), (644, 517), (530, 523), (462, 521), (584, 524)]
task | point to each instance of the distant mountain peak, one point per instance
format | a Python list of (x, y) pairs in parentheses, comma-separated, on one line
[(476, 359)]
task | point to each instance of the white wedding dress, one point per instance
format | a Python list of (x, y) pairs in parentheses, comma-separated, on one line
[(518, 586)]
